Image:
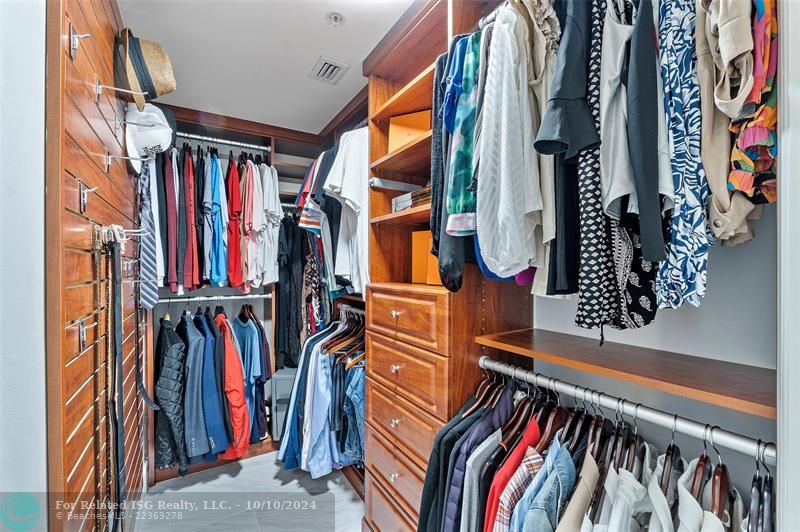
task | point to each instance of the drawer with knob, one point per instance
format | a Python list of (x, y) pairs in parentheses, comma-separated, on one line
[(419, 375), (382, 512), (403, 479), (401, 422), (415, 314)]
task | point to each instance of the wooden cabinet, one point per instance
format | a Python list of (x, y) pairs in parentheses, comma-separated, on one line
[(422, 359)]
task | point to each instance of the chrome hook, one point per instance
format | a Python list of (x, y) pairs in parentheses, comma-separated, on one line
[(713, 445), (675, 426), (635, 422)]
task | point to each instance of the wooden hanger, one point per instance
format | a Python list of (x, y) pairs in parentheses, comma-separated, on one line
[(720, 485), (555, 422), (635, 442), (671, 456), (483, 400), (702, 470), (355, 361)]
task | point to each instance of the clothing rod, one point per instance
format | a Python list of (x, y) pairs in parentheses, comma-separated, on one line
[(717, 436), (213, 298), (203, 138)]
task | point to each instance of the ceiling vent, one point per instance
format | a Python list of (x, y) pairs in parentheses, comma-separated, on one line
[(328, 70)]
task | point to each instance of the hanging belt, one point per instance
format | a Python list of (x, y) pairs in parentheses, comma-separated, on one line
[(115, 389)]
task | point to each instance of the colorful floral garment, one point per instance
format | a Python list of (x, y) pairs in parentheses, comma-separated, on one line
[(756, 145)]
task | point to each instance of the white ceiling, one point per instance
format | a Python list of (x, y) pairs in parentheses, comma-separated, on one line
[(251, 58)]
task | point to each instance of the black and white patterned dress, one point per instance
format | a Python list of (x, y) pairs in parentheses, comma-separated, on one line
[(598, 295)]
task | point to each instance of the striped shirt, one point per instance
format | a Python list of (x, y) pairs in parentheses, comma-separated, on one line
[(515, 488)]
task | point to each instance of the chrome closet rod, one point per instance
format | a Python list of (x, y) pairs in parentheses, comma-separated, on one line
[(214, 140), (710, 433), (213, 298)]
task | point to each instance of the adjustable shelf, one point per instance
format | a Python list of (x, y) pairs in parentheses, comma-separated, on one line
[(415, 96), (412, 158), (412, 216), (739, 387)]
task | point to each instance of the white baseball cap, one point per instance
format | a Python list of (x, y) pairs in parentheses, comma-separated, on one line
[(147, 133)]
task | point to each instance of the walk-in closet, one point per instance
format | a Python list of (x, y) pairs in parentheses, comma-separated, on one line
[(399, 265)]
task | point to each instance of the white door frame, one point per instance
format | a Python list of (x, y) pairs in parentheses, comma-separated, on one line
[(788, 275)]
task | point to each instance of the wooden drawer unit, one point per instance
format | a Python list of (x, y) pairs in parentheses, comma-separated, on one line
[(403, 479), (417, 314), (415, 373), (398, 420), (383, 514)]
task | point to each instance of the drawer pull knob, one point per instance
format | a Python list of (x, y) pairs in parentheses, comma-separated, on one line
[(394, 422), (395, 313), (393, 477), (394, 368)]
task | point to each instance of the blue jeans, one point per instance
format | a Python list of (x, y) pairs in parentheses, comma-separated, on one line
[(354, 410)]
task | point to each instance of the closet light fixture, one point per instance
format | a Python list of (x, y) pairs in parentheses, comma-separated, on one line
[(334, 19)]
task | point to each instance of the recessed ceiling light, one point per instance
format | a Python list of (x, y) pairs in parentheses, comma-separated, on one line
[(334, 19)]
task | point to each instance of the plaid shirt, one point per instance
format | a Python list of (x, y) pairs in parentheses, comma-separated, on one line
[(515, 488)]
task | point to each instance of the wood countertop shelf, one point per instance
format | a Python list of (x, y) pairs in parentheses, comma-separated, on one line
[(415, 96), (748, 389), (420, 214), (413, 158)]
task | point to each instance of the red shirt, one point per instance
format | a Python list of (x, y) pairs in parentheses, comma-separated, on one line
[(234, 239), (234, 391), (530, 437), (191, 271)]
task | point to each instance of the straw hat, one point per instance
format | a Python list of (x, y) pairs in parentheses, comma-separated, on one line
[(147, 68)]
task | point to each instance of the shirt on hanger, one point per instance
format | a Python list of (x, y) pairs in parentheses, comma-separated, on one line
[(471, 516)]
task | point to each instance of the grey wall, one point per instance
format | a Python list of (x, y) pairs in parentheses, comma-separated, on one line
[(736, 322), (23, 457)]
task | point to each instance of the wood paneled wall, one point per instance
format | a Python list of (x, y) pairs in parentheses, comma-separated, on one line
[(80, 132)]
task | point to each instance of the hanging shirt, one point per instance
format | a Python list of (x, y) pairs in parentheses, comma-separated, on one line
[(665, 508), (246, 190), (155, 208), (219, 218), (273, 213), (495, 500), (348, 182), (632, 504), (516, 486), (509, 199), (453, 88), (191, 274), (460, 193), (255, 252), (471, 515), (517, 522), (235, 393), (581, 498), (247, 336), (208, 217), (234, 215), (172, 225)]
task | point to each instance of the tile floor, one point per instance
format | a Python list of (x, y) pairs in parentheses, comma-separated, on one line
[(253, 494)]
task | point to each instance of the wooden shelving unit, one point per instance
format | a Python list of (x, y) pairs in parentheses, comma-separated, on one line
[(415, 96), (413, 157), (739, 387), (411, 216)]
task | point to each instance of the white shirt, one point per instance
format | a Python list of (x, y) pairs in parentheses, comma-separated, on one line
[(631, 500), (348, 182), (666, 187), (273, 213), (509, 199), (661, 518), (255, 246)]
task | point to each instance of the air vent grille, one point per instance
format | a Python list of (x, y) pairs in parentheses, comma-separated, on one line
[(328, 70)]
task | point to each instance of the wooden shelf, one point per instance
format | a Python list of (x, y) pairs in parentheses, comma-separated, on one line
[(411, 158), (415, 215), (415, 96), (739, 387)]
